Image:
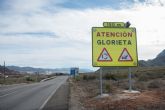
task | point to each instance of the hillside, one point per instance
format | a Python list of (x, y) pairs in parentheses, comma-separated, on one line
[(26, 69), (158, 61), (45, 70), (8, 71)]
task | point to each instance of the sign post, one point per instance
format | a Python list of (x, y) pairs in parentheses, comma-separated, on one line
[(74, 71), (130, 79), (101, 81)]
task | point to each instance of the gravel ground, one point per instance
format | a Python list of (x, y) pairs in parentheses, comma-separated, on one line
[(83, 97)]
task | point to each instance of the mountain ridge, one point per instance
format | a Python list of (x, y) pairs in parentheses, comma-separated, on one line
[(45, 70), (159, 60)]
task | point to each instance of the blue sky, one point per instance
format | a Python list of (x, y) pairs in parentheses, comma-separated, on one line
[(57, 33), (84, 4)]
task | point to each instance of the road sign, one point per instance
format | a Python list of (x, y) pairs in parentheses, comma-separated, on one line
[(104, 56), (74, 71), (114, 24), (118, 44), (125, 56)]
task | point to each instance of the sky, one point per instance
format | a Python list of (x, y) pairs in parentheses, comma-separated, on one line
[(57, 33)]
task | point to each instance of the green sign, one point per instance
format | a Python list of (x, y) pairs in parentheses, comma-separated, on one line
[(114, 24)]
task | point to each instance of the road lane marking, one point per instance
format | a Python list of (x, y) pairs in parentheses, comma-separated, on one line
[(7, 94), (12, 90)]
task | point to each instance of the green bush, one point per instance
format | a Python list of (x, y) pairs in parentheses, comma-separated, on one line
[(29, 79), (148, 76), (85, 77), (110, 76), (156, 75), (155, 84), (77, 78), (143, 77), (116, 76), (108, 88), (89, 77), (107, 76)]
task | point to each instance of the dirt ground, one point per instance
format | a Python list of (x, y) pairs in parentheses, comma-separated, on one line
[(83, 96)]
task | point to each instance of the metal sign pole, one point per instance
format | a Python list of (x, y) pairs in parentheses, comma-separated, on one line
[(101, 82), (130, 79), (4, 73)]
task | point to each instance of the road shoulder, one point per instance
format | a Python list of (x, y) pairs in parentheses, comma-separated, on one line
[(60, 99)]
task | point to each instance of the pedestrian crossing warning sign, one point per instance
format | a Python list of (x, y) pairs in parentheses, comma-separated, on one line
[(125, 56), (104, 56)]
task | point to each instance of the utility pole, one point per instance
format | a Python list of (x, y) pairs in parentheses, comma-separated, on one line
[(37, 76), (4, 73)]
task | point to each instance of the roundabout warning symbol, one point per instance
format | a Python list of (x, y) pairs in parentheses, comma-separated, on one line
[(125, 56), (104, 56)]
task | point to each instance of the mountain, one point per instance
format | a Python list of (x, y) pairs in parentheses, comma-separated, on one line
[(26, 69), (7, 71), (158, 61), (45, 70)]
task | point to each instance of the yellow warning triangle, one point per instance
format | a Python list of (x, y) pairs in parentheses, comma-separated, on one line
[(104, 56), (125, 56)]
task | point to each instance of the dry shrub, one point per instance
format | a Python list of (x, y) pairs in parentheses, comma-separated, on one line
[(150, 75), (155, 84), (89, 77)]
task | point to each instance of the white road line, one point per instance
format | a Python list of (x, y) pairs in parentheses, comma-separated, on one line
[(7, 94), (11, 90), (6, 90), (15, 87)]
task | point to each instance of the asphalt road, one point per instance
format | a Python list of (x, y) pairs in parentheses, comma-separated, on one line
[(60, 100), (29, 96)]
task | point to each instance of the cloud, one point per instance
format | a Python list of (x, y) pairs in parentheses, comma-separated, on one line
[(35, 36), (28, 6)]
